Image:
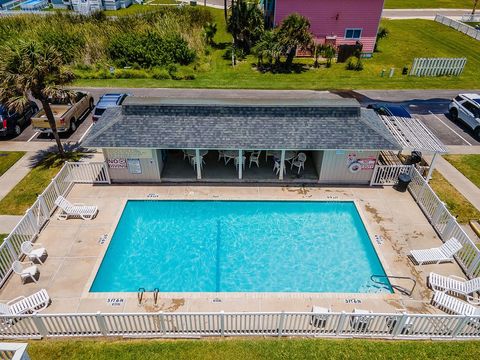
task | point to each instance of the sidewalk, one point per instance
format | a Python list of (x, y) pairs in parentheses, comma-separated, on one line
[(459, 181), (16, 173)]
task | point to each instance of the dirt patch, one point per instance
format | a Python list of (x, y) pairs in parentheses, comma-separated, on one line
[(374, 212), (299, 190)]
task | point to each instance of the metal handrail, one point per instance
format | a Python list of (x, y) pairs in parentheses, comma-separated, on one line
[(396, 287)]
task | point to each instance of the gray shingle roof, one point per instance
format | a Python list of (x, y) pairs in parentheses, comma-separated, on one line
[(146, 123)]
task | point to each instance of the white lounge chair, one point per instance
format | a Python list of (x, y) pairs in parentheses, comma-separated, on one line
[(320, 316), (33, 254), (26, 305), (456, 285), (437, 255), (453, 305), (86, 212), (25, 273), (362, 322)]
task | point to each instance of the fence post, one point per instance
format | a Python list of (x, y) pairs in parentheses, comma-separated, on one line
[(341, 323), (461, 324), (102, 324), (10, 247), (162, 323), (449, 228), (31, 218), (43, 208), (436, 215), (374, 175), (281, 323), (107, 174), (40, 325), (222, 323), (400, 325), (55, 186)]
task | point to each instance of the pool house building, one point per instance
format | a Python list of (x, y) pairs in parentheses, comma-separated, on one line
[(331, 141)]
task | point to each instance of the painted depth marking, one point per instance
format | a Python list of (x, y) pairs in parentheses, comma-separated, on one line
[(33, 136), (85, 133), (443, 122)]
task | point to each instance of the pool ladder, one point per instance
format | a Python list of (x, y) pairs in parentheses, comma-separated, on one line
[(141, 292), (401, 289)]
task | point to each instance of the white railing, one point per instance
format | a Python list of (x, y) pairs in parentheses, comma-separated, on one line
[(437, 66), (460, 26), (39, 213), (13, 351), (160, 324), (471, 18), (388, 174), (445, 224)]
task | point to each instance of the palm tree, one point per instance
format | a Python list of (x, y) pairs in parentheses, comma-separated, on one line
[(329, 53), (246, 23), (33, 69), (209, 31), (293, 32), (268, 48)]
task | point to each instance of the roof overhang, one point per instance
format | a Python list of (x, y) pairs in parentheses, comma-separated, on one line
[(412, 134)]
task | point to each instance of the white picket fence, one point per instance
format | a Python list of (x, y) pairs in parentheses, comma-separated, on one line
[(459, 26), (471, 18), (445, 224), (177, 325), (14, 351), (437, 66), (388, 174), (39, 213)]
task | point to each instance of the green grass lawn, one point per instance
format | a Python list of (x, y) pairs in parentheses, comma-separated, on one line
[(428, 4), (8, 158), (131, 10), (251, 349), (468, 165), (408, 39), (24, 194), (2, 237), (457, 204)]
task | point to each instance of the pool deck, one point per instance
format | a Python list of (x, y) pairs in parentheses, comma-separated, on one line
[(393, 220)]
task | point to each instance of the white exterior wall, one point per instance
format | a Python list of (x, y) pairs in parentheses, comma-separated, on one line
[(335, 167), (150, 161)]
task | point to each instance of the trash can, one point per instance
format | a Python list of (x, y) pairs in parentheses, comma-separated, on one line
[(403, 181)]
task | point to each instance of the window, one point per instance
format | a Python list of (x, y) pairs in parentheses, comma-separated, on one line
[(472, 108), (353, 33)]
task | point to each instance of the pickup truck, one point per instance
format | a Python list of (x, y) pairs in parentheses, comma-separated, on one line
[(67, 113)]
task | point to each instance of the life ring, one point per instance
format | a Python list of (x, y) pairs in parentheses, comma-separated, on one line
[(355, 167)]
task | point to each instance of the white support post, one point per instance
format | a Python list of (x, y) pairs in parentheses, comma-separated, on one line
[(43, 208), (281, 324), (240, 164), (163, 328), (282, 165), (198, 162), (102, 325), (39, 324), (432, 166), (222, 323)]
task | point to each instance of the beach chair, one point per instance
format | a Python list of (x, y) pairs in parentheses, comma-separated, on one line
[(455, 285), (86, 212), (437, 255), (25, 273), (28, 250), (26, 305), (453, 305)]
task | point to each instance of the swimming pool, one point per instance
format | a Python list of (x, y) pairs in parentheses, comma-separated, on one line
[(239, 246)]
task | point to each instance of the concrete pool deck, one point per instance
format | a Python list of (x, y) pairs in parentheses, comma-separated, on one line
[(394, 222)]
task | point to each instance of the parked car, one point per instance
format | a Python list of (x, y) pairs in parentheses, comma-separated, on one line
[(12, 122), (67, 113), (466, 107), (390, 110), (107, 101)]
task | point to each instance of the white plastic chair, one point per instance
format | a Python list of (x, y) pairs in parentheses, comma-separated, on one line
[(455, 285), (362, 321), (320, 316), (276, 167), (27, 248), (221, 155), (25, 273), (299, 162), (26, 305), (86, 212), (439, 254), (193, 162), (254, 158), (243, 161), (452, 305)]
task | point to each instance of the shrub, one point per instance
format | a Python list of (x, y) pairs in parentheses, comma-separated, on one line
[(149, 50), (354, 63), (66, 43), (130, 74), (239, 53), (160, 74)]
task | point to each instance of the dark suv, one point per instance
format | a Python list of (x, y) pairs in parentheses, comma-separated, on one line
[(12, 122)]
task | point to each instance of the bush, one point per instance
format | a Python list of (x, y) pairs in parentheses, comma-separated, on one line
[(239, 53), (130, 74), (66, 43), (149, 50), (160, 74), (354, 63), (184, 74)]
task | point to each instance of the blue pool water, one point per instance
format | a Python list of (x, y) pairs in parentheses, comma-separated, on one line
[(239, 246)]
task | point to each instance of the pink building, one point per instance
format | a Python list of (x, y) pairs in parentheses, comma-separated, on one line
[(337, 22)]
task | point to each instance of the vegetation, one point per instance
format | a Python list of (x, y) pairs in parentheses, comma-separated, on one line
[(3, 237), (468, 165), (251, 349), (33, 69), (245, 24), (428, 4), (455, 201), (24, 194), (8, 158)]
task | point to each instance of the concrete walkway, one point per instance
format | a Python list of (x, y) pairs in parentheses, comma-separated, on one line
[(461, 183), (423, 13)]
